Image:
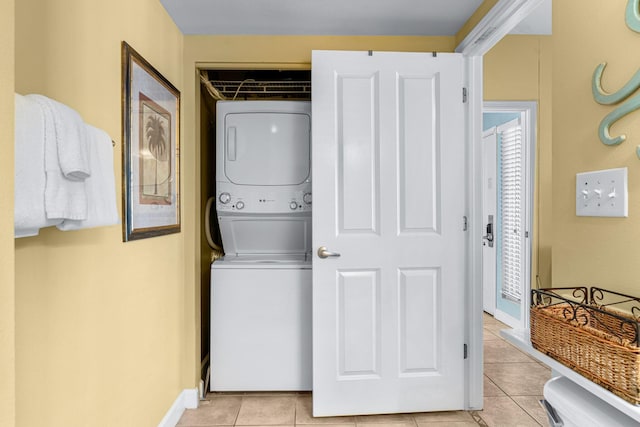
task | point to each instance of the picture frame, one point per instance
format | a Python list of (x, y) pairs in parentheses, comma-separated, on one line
[(151, 150)]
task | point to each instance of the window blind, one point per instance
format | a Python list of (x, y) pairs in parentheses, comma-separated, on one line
[(512, 211)]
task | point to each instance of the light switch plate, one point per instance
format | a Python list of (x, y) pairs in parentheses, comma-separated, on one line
[(602, 193)]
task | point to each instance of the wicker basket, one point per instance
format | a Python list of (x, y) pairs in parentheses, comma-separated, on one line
[(599, 342)]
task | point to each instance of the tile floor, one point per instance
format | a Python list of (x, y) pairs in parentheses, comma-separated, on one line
[(513, 384)]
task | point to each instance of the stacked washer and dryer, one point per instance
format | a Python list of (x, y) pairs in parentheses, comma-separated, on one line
[(261, 288)]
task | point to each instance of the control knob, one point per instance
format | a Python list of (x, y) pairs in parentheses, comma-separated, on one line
[(307, 198), (293, 205), (224, 198), (240, 205)]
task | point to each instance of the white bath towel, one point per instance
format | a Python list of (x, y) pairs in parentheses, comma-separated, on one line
[(100, 186), (29, 210), (65, 198), (73, 152)]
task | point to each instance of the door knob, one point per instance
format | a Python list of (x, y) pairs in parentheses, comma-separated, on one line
[(324, 253)]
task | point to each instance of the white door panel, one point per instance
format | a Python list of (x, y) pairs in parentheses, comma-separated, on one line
[(358, 324), (418, 168), (358, 155), (388, 156), (418, 303)]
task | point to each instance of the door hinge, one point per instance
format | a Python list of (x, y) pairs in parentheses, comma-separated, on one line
[(526, 234), (465, 223), (464, 95), (465, 351)]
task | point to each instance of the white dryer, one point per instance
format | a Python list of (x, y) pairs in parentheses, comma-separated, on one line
[(261, 289), (263, 157)]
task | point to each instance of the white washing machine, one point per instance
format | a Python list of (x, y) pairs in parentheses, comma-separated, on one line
[(261, 289), (261, 305), (261, 323)]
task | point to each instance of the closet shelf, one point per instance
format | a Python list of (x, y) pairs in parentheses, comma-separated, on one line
[(231, 89)]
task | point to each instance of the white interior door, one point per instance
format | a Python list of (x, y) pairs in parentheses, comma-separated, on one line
[(389, 196), (489, 218)]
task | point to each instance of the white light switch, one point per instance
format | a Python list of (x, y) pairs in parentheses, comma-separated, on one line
[(602, 193)]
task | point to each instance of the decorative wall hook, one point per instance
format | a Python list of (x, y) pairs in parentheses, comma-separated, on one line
[(605, 98), (632, 15), (631, 103), (629, 106)]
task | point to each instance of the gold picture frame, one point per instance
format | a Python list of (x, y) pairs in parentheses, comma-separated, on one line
[(151, 151)]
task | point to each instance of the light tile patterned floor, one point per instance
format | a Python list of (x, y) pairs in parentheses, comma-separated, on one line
[(513, 384)]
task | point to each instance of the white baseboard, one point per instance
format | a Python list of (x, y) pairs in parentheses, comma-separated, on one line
[(507, 319), (188, 399)]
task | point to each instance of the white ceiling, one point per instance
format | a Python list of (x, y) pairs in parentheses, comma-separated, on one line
[(336, 17)]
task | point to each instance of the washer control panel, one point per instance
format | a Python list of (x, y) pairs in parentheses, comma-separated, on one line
[(262, 199)]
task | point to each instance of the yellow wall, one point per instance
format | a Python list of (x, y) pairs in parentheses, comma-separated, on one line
[(519, 68), (101, 325), (7, 288), (109, 331), (557, 72), (590, 251), (297, 49)]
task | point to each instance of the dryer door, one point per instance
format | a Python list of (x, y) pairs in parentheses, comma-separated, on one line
[(267, 148)]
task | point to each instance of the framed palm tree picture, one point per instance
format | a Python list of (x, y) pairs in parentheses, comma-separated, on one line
[(150, 156)]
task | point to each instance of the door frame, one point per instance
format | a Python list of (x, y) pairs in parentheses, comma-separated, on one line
[(496, 24), (528, 120)]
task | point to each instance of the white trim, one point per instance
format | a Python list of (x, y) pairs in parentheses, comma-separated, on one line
[(501, 19), (187, 399), (473, 79), (496, 24), (530, 119), (190, 398)]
